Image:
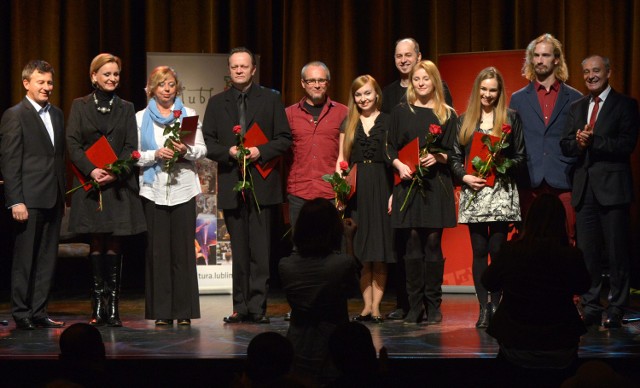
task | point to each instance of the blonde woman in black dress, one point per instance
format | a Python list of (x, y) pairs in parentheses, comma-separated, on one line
[(103, 113), (429, 208)]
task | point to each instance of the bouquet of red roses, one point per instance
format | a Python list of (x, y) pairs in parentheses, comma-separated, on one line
[(340, 186), (119, 167), (434, 131), (243, 152), (494, 161)]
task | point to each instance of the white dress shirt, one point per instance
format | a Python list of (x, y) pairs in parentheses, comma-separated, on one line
[(185, 183)]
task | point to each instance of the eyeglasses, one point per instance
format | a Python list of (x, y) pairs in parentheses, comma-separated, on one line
[(319, 81)]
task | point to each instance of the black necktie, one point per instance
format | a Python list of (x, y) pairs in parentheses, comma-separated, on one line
[(242, 111)]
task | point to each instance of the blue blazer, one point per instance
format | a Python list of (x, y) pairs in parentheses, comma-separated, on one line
[(606, 162), (542, 142)]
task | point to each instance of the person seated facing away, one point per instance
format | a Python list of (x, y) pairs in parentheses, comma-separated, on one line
[(537, 324), (317, 280)]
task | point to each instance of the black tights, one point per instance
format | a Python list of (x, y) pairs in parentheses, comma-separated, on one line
[(102, 243), (424, 243), (486, 238)]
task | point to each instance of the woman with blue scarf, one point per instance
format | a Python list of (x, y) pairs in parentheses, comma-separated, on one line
[(168, 188)]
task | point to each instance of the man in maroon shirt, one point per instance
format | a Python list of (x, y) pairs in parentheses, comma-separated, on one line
[(315, 126), (543, 106)]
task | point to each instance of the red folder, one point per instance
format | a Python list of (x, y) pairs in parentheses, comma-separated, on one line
[(478, 148), (253, 138), (100, 154), (351, 180), (190, 124), (409, 155)]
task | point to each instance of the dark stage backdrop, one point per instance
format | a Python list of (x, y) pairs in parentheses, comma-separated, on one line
[(351, 36)]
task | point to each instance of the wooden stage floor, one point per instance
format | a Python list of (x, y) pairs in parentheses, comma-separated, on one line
[(210, 339)]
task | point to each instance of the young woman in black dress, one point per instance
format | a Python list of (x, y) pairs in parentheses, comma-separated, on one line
[(429, 204), (363, 147)]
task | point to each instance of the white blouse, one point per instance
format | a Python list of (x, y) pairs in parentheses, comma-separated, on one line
[(185, 183)]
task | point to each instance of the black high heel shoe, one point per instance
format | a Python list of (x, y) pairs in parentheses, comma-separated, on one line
[(362, 318)]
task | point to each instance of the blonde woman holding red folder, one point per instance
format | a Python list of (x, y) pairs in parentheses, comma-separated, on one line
[(423, 204), (113, 211)]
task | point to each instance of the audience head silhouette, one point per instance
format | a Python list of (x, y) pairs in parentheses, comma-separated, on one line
[(269, 357), (546, 220), (81, 341), (318, 231), (352, 350)]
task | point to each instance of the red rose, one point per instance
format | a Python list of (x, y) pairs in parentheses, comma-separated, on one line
[(506, 128), (135, 155), (435, 129), (237, 129), (177, 113), (344, 165)]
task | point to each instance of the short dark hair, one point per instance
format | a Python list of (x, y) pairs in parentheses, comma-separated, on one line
[(546, 220), (318, 231), (81, 341), (36, 65), (269, 357), (241, 49)]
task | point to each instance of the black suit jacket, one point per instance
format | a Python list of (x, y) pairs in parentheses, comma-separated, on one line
[(606, 162), (82, 133), (263, 107), (33, 169)]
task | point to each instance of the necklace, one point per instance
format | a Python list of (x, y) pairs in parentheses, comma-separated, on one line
[(103, 109)]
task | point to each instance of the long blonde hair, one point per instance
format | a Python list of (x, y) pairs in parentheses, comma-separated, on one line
[(353, 118), (474, 109), (441, 109)]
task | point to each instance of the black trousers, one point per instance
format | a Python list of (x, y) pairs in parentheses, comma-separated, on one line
[(34, 261), (250, 233), (171, 279), (609, 225)]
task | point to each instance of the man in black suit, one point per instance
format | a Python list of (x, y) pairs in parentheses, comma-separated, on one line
[(244, 104), (601, 131), (32, 161)]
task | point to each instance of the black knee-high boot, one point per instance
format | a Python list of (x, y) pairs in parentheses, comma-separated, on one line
[(98, 293), (434, 271), (415, 288), (113, 264)]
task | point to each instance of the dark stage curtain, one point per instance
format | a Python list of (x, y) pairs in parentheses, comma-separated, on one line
[(352, 36)]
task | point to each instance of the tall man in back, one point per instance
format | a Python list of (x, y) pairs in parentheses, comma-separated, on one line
[(32, 153), (315, 127), (406, 55), (601, 132), (244, 104), (543, 106)]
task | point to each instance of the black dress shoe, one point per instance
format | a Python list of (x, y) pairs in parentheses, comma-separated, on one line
[(184, 322), (592, 320), (362, 318), (164, 322), (235, 318), (261, 319), (613, 321), (396, 315), (25, 324), (377, 319), (47, 323)]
